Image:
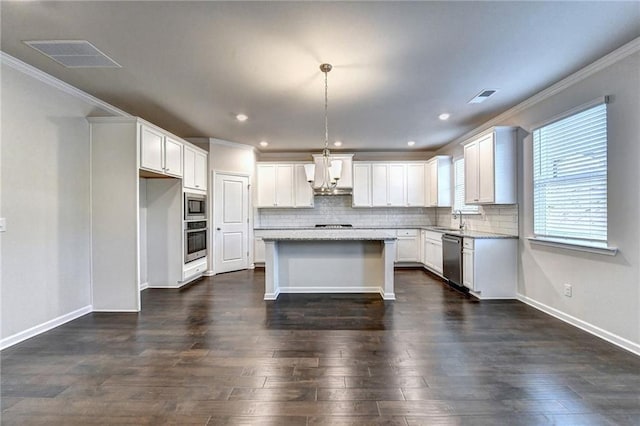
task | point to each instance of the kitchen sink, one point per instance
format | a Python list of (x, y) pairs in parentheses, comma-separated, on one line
[(442, 228)]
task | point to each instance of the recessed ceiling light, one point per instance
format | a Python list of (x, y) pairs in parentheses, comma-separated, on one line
[(337, 143), (264, 143), (242, 117), (444, 116), (411, 143)]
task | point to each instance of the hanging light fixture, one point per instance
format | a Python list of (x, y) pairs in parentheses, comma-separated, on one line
[(331, 169)]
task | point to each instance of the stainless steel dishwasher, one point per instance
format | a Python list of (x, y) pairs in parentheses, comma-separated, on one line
[(452, 258)]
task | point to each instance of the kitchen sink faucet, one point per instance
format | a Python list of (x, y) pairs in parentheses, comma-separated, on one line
[(457, 214)]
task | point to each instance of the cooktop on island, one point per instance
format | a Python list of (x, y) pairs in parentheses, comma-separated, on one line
[(333, 225)]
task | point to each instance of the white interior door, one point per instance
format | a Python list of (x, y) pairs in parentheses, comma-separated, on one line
[(231, 224)]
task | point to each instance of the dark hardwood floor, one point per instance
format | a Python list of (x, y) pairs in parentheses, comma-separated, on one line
[(217, 354)]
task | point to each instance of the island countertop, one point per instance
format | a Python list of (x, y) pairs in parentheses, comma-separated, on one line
[(359, 232), (311, 234)]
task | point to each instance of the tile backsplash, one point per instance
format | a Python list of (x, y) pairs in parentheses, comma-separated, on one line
[(337, 209), (501, 219)]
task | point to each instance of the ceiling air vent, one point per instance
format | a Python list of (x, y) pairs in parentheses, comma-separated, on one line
[(483, 96), (73, 53)]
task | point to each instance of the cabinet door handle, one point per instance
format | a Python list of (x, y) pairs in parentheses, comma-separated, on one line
[(217, 229)]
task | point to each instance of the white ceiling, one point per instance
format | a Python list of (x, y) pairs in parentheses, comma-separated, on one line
[(190, 67)]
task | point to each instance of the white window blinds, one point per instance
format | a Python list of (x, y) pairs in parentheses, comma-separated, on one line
[(570, 177), (458, 201)]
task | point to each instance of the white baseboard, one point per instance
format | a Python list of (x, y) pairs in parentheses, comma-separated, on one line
[(333, 289), (144, 286), (271, 296), (45, 326), (208, 273), (583, 325)]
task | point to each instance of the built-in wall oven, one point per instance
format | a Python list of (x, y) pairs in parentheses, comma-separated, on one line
[(195, 240), (195, 206)]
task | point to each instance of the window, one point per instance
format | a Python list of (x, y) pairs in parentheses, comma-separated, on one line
[(458, 199), (570, 177)]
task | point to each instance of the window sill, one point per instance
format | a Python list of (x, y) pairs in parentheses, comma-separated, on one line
[(575, 245)]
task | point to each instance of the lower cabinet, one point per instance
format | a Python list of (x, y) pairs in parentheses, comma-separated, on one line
[(194, 269), (467, 263), (432, 253), (489, 267), (408, 245)]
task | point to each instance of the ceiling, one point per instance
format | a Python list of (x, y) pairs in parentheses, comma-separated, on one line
[(190, 67)]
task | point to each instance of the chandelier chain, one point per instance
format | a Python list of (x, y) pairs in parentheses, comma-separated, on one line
[(326, 111)]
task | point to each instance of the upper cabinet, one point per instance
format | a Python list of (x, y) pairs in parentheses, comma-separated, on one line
[(416, 184), (438, 181), (490, 167), (388, 185), (195, 169), (282, 185), (361, 184), (160, 153), (391, 184)]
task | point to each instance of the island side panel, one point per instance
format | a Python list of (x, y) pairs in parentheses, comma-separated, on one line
[(344, 266), (389, 255), (271, 270)]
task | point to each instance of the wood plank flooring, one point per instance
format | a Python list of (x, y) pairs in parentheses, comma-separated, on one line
[(217, 354)]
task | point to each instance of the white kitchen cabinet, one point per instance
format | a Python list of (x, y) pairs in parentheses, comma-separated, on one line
[(388, 185), (282, 185), (159, 153), (408, 245), (432, 253), (467, 264), (391, 184), (489, 267), (362, 187), (438, 181), (195, 169), (490, 167), (303, 196), (416, 185), (173, 157)]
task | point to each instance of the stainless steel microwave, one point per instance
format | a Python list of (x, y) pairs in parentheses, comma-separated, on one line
[(195, 206)]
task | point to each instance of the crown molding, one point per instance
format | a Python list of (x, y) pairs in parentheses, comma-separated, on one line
[(50, 80), (600, 64), (236, 145)]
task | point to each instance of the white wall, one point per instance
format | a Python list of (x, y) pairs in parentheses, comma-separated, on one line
[(44, 192), (606, 290)]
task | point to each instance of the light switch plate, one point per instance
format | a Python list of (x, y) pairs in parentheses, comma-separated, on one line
[(3, 224)]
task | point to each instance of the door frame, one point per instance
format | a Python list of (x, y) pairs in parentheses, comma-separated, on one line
[(214, 225)]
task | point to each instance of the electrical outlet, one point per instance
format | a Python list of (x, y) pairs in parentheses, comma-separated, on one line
[(568, 289)]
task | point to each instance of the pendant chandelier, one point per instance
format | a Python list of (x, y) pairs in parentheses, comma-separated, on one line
[(331, 170)]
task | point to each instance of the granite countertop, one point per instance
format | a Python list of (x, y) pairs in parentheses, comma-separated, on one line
[(342, 233), (302, 234)]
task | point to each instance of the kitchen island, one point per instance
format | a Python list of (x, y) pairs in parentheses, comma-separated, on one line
[(329, 261)]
